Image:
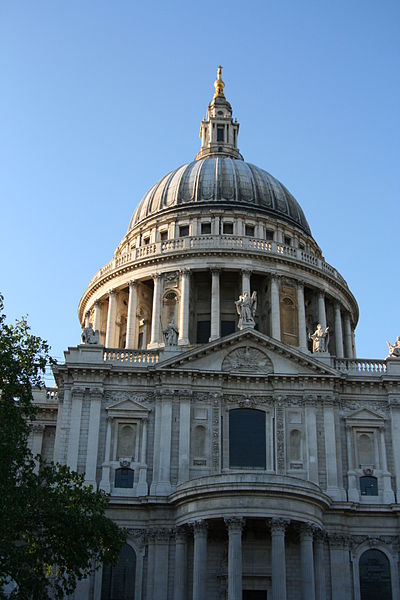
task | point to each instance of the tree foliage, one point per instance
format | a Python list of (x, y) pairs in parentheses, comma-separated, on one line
[(53, 527)]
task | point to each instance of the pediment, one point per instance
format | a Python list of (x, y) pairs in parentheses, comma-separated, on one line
[(248, 353), (126, 406), (364, 414)]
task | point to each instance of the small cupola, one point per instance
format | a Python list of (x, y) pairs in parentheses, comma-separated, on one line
[(218, 130)]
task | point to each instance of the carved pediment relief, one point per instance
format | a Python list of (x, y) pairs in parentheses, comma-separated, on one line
[(127, 407), (246, 359)]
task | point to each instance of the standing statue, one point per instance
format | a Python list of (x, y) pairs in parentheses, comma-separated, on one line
[(89, 336), (394, 349), (246, 309), (171, 333), (320, 339)]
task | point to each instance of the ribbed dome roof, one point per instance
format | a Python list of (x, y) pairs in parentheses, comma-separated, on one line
[(221, 182)]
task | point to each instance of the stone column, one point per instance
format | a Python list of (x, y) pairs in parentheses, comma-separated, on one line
[(340, 568), (64, 400), (301, 311), (96, 316), (321, 310), (278, 527), (200, 560), (156, 312), (93, 437), (307, 562), (75, 428), (183, 339), (319, 565), (150, 564), (87, 317), (37, 440), (184, 440), (160, 573), (131, 319), (338, 331), (275, 308), (348, 346), (180, 564), (215, 332), (109, 343), (246, 281), (235, 526)]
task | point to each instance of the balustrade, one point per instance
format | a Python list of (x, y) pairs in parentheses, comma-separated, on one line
[(137, 357), (361, 366)]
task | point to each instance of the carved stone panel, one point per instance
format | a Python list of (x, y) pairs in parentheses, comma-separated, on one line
[(247, 360)]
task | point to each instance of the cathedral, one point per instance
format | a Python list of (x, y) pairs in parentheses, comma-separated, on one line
[(217, 398)]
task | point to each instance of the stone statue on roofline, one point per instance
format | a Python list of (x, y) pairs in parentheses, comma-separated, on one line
[(89, 336), (320, 339), (394, 349), (246, 308)]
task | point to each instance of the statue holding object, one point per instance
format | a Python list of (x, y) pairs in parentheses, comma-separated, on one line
[(246, 309), (394, 349), (320, 339)]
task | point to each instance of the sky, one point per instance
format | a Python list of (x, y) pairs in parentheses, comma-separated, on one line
[(99, 100)]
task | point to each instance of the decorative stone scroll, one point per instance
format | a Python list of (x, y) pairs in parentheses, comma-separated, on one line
[(247, 360)]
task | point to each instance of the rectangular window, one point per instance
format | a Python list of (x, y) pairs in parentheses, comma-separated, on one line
[(163, 236), (205, 228), (287, 240), (183, 230), (146, 241), (269, 235), (249, 230), (247, 446), (220, 133), (228, 228), (203, 332)]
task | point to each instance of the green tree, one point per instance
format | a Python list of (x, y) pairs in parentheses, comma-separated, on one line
[(53, 528)]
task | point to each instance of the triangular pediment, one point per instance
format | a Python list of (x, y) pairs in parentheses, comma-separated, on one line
[(248, 353), (364, 414), (128, 405)]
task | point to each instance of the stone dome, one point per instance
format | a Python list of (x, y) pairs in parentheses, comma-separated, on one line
[(222, 182)]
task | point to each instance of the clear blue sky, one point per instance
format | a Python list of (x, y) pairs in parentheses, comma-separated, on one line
[(99, 99)]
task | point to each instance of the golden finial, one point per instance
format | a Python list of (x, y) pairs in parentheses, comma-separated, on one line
[(219, 84)]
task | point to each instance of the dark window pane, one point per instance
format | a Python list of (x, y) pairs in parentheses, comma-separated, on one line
[(269, 235), (368, 486), (183, 230), (227, 327), (247, 438), (164, 236), (203, 332), (249, 230), (228, 228), (375, 576), (220, 134), (206, 228), (287, 241), (118, 581), (123, 478)]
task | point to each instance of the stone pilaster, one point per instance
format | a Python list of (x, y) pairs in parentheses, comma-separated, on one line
[(348, 342), (151, 536), (110, 331), (200, 560), (275, 308), (96, 316), (278, 527), (93, 437), (235, 527), (319, 564), (161, 484), (105, 475), (246, 281), (183, 339), (75, 428), (215, 332), (160, 573), (333, 488), (131, 341), (184, 439), (341, 583), (312, 441), (156, 312), (180, 564), (307, 562), (142, 487)]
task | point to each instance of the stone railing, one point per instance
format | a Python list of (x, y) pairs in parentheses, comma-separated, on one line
[(218, 242), (361, 366), (131, 357)]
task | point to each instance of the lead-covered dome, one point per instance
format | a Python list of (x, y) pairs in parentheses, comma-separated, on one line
[(221, 182)]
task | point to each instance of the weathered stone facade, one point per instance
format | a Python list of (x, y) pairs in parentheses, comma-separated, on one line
[(242, 463)]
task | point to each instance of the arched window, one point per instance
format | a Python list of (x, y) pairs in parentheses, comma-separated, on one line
[(295, 445), (247, 446), (368, 486), (118, 582), (123, 478), (375, 576)]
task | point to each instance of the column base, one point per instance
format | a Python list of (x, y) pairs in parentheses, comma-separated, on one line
[(183, 342), (161, 488), (154, 345), (336, 493), (212, 338)]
